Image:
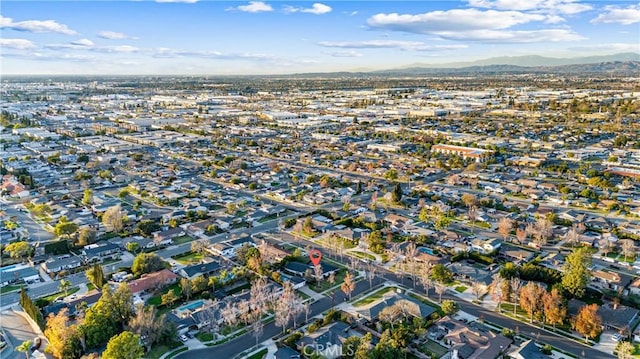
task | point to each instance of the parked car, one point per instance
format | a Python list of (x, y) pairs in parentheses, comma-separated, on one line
[(183, 338), (37, 341), (616, 337)]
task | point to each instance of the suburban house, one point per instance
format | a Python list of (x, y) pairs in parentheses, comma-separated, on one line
[(152, 282), (486, 246), (222, 249), (18, 274), (528, 350), (409, 305), (204, 269), (467, 273), (297, 282), (607, 279), (99, 252), (56, 265), (614, 316), (327, 341), (472, 340), (271, 253), (296, 268)]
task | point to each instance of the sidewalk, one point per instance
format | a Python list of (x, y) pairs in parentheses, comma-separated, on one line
[(311, 293), (83, 290)]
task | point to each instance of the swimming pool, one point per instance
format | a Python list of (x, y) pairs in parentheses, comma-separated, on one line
[(191, 306), (426, 250)]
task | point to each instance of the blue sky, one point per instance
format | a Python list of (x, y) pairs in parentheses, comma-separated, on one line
[(279, 37)]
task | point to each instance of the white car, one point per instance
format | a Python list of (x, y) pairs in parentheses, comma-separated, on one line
[(616, 337), (184, 338)]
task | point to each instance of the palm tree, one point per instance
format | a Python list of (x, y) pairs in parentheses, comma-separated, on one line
[(24, 347), (64, 286)]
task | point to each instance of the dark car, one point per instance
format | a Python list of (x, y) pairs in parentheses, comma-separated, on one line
[(36, 344)]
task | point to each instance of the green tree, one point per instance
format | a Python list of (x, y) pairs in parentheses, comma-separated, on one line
[(86, 235), (396, 194), (391, 175), (364, 347), (576, 274), (147, 263), (147, 227), (185, 285), (65, 227), (24, 347), (87, 198), (125, 345), (449, 307), (64, 286), (18, 249), (30, 308), (133, 247), (95, 275), (63, 337), (441, 274), (169, 298), (123, 193), (625, 350), (588, 322), (113, 218)]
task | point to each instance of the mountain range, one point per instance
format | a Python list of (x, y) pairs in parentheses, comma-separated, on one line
[(627, 63), (534, 61)]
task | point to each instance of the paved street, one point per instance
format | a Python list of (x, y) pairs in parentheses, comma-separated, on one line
[(246, 341), (36, 232)]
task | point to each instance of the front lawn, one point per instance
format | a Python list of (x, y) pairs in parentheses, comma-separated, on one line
[(324, 283), (182, 239), (373, 297), (44, 301), (9, 288), (460, 288), (159, 349), (259, 355), (204, 337), (189, 258)]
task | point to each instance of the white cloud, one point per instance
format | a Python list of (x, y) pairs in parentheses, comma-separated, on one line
[(389, 44), (88, 45), (35, 26), (39, 56), (118, 49), (567, 7), (349, 53), (83, 42), (617, 15), (254, 7), (489, 26), (316, 9), (18, 44), (112, 35), (516, 36), (451, 20)]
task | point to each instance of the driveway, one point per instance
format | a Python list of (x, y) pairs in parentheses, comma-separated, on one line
[(607, 344)]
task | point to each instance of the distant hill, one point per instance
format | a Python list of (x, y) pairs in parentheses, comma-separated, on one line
[(614, 67), (534, 61)]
